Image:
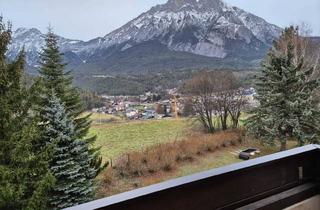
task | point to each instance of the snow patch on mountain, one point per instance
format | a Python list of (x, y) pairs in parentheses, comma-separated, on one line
[(203, 27), (32, 41), (210, 19)]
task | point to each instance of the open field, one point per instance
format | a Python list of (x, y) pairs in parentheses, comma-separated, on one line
[(119, 137), (126, 136)]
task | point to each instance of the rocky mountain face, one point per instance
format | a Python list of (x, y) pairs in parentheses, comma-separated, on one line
[(32, 40), (181, 34), (202, 27)]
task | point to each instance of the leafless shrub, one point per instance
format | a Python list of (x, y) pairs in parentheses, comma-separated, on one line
[(167, 156)]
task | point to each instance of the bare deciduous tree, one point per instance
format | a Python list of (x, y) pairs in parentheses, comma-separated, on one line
[(201, 87), (213, 95), (237, 104), (225, 87)]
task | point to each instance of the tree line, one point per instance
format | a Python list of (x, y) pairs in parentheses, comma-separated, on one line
[(47, 160)]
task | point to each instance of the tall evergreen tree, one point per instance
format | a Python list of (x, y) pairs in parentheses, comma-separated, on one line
[(24, 176), (284, 91), (54, 77), (71, 160)]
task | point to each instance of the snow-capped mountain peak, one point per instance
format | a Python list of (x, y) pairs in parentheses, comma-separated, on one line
[(32, 40), (209, 28), (203, 27), (22, 32)]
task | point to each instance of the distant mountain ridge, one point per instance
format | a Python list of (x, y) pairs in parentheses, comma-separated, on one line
[(180, 34)]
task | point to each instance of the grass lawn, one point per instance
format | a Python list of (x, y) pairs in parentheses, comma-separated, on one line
[(118, 138), (116, 135), (225, 157)]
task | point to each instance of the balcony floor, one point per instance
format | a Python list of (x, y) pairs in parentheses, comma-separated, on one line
[(312, 203)]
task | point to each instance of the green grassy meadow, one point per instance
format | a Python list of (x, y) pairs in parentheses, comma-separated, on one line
[(117, 136), (125, 136)]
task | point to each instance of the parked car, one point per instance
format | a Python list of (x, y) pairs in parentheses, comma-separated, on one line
[(246, 154)]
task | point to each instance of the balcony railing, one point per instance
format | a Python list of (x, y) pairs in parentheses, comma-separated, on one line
[(271, 182)]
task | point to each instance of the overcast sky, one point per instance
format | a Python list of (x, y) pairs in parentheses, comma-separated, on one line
[(87, 19)]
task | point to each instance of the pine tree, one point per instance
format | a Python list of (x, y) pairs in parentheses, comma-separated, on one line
[(54, 77), (25, 179), (284, 91), (71, 160)]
